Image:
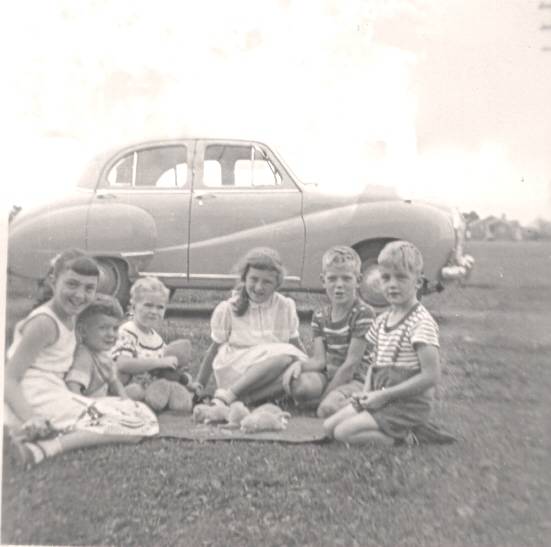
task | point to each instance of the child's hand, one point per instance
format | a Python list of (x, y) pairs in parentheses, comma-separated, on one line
[(291, 374), (355, 399), (373, 400), (197, 388)]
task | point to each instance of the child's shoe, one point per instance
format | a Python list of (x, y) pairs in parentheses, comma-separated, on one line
[(223, 397)]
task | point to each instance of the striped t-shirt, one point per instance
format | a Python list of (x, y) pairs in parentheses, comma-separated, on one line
[(395, 345), (338, 334)]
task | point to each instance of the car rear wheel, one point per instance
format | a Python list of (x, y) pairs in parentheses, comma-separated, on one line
[(113, 279), (370, 286)]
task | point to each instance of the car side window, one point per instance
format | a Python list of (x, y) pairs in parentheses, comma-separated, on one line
[(238, 166), (155, 167)]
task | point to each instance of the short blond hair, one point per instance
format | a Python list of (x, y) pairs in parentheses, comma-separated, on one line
[(341, 255), (145, 285), (402, 255)]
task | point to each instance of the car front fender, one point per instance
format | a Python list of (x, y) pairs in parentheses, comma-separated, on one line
[(430, 229)]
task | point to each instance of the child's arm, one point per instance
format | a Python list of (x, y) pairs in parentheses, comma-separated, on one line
[(297, 342), (136, 365), (39, 333), (429, 376), (205, 369), (345, 372), (79, 375), (116, 387)]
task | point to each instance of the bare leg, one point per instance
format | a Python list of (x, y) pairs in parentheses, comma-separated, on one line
[(260, 374), (334, 401), (360, 429), (308, 388), (84, 439), (342, 415)]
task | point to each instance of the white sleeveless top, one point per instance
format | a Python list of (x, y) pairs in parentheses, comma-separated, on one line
[(56, 358)]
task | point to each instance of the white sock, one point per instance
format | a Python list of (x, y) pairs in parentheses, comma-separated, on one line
[(227, 396)]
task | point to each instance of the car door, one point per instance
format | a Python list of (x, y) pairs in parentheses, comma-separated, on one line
[(141, 206), (242, 198)]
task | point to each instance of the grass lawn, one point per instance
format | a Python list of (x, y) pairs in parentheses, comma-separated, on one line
[(493, 487)]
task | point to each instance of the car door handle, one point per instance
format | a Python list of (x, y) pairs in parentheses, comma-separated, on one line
[(201, 197), (105, 195)]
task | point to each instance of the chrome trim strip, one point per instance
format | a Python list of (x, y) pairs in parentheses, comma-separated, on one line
[(289, 278), (137, 253), (161, 274)]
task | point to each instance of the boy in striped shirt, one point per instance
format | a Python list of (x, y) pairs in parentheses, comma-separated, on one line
[(340, 358), (397, 398)]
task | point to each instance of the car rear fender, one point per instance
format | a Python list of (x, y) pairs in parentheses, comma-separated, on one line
[(431, 230)]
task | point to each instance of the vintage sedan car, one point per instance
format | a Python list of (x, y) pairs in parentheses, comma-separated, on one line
[(184, 210)]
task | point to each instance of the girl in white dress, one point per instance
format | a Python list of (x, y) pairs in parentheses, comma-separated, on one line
[(254, 334), (44, 417)]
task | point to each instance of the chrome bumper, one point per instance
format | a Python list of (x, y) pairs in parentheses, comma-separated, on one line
[(459, 268)]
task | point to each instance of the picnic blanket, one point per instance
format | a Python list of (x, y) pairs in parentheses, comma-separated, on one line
[(300, 429)]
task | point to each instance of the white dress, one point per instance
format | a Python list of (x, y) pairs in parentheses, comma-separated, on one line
[(44, 388), (263, 331)]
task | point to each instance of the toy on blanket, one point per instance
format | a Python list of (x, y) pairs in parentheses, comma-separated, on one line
[(268, 417), (237, 412), (165, 395), (182, 350), (210, 414)]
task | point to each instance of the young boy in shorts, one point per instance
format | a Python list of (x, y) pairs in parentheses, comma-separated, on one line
[(396, 402), (340, 358)]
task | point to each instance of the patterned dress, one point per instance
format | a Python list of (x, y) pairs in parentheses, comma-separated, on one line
[(135, 343)]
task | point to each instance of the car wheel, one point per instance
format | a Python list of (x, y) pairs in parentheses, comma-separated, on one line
[(370, 285), (113, 279)]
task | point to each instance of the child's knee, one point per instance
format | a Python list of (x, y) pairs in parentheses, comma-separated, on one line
[(307, 387), (331, 404)]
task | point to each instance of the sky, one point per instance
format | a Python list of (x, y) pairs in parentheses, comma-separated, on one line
[(447, 100)]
